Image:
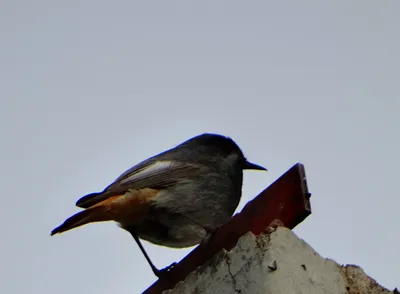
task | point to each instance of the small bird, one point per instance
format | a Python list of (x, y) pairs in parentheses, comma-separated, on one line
[(177, 198)]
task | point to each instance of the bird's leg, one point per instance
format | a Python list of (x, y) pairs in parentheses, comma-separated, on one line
[(155, 270), (153, 267)]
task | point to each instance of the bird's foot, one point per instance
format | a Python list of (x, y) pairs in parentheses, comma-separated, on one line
[(162, 272)]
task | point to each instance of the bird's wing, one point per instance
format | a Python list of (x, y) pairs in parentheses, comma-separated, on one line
[(149, 174), (157, 175)]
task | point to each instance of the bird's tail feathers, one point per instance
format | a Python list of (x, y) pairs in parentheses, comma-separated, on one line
[(91, 199), (93, 214)]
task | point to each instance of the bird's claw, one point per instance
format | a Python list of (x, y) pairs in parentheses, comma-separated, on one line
[(160, 273)]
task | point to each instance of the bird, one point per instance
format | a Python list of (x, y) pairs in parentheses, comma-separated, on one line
[(177, 198)]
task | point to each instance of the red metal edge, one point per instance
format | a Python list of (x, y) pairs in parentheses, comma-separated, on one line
[(286, 200)]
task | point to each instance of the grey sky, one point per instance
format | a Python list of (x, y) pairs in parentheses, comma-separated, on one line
[(89, 88)]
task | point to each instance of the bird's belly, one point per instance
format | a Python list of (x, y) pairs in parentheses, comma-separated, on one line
[(180, 218), (171, 234)]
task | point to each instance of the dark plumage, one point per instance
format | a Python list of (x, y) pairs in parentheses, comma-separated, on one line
[(175, 198)]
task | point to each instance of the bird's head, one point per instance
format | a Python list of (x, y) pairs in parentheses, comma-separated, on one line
[(225, 147)]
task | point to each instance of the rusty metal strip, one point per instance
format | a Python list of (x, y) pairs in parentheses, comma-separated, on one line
[(286, 200)]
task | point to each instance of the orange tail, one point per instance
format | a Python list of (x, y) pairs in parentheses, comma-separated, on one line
[(90, 215)]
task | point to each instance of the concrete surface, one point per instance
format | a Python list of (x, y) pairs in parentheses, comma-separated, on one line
[(279, 263)]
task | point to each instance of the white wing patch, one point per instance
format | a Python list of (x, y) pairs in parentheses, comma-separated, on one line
[(156, 168)]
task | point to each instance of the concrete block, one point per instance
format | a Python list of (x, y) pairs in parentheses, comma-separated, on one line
[(278, 263)]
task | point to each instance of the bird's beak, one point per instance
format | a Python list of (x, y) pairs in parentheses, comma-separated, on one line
[(249, 165)]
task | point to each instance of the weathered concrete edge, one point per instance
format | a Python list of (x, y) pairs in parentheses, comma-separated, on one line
[(249, 267)]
